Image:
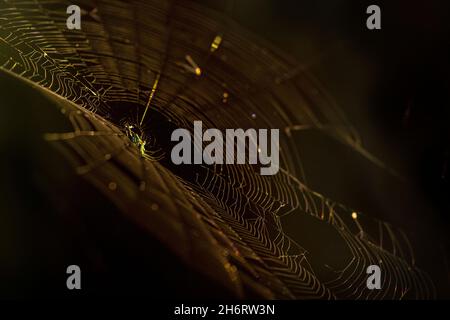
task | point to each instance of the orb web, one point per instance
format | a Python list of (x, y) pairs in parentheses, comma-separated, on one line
[(164, 64)]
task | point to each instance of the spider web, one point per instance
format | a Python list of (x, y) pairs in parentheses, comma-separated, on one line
[(226, 221)]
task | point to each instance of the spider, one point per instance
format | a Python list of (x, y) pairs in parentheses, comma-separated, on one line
[(138, 138)]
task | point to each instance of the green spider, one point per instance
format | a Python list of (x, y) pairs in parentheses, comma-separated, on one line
[(136, 136)]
